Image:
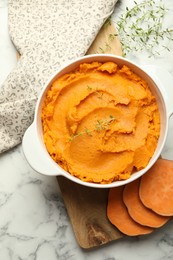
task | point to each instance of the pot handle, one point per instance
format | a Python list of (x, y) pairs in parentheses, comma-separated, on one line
[(165, 80), (36, 154)]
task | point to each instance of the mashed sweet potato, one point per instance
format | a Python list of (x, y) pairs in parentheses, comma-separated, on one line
[(100, 122)]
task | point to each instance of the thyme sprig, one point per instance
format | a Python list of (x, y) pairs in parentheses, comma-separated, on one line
[(104, 124), (107, 46), (141, 28), (112, 36), (101, 125), (99, 93), (86, 131), (89, 87)]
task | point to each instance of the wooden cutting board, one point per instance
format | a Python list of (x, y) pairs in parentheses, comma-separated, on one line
[(86, 207)]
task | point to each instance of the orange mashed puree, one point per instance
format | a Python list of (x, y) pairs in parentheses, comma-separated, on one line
[(100, 122)]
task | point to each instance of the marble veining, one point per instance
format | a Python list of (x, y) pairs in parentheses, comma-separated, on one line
[(34, 224)]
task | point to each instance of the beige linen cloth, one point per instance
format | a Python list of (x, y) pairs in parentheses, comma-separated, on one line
[(47, 33)]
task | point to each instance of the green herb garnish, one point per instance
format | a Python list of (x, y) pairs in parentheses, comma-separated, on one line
[(102, 124), (141, 28)]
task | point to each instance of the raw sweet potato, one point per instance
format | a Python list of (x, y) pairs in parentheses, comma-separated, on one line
[(118, 215), (137, 210), (156, 188)]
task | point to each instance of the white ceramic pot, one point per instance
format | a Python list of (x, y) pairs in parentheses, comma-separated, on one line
[(160, 83)]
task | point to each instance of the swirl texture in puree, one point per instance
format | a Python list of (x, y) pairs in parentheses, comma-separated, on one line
[(100, 122)]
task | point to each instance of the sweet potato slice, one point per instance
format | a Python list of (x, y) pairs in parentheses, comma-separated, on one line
[(156, 188), (118, 215), (137, 210)]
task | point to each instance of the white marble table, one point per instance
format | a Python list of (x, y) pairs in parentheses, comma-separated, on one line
[(33, 221)]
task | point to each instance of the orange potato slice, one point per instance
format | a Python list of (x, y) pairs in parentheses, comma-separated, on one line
[(137, 210), (156, 188), (118, 215)]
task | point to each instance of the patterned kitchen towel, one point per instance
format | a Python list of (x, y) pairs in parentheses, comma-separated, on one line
[(46, 34)]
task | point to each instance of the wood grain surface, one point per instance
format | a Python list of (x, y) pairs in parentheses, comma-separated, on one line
[(107, 41), (86, 207)]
